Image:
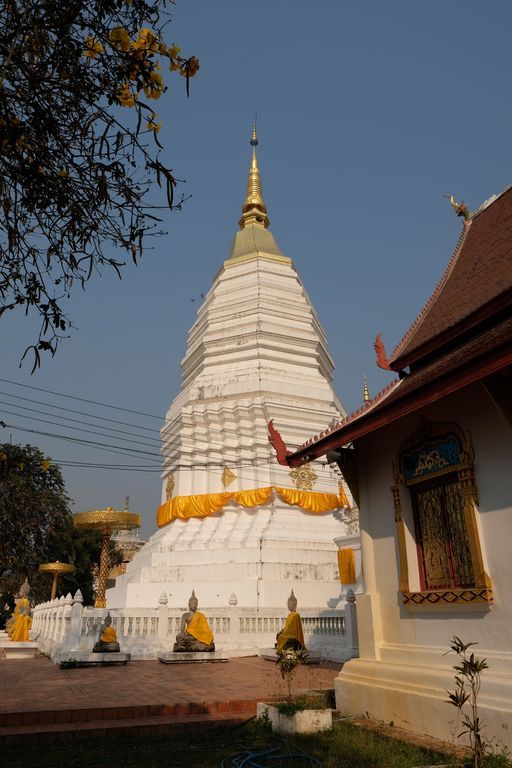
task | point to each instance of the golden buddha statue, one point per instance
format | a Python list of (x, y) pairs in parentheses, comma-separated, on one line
[(108, 638), (291, 635), (20, 622), (195, 634)]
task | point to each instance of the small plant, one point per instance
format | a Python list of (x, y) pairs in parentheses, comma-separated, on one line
[(288, 659), (467, 687), (290, 708)]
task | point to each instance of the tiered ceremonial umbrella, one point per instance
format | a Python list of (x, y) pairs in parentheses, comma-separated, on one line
[(107, 521), (56, 568)]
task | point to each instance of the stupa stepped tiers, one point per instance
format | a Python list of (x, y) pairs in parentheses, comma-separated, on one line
[(232, 520)]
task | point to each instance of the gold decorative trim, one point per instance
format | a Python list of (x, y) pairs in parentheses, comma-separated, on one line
[(304, 477), (449, 597), (169, 486), (228, 477)]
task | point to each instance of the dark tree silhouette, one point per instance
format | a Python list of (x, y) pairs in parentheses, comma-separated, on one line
[(79, 148)]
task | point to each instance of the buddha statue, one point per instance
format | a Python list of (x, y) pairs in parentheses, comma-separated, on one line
[(291, 635), (195, 633), (20, 622), (108, 638)]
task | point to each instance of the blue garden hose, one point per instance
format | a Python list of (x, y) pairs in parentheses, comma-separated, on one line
[(249, 758)]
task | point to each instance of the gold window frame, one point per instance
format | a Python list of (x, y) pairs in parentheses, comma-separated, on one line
[(431, 433)]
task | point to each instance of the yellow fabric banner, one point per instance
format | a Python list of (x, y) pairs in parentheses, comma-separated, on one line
[(310, 501), (200, 629), (347, 565), (343, 498), (207, 504)]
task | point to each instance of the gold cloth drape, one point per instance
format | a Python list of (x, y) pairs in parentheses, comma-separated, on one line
[(200, 629), (292, 630), (207, 504), (21, 621), (347, 565)]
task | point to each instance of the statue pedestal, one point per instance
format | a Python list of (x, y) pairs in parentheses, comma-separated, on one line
[(192, 657), (19, 649), (68, 659), (270, 655)]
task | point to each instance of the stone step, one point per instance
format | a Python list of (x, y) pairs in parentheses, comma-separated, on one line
[(124, 713), (147, 726)]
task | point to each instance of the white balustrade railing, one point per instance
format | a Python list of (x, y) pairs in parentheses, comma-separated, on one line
[(65, 624)]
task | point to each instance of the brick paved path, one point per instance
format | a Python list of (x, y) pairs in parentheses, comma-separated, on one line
[(37, 685)]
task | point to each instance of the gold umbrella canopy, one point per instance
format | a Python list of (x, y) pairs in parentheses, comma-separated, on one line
[(56, 568), (107, 521)]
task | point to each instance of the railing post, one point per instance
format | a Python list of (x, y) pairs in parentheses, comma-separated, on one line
[(163, 617), (72, 641), (234, 622), (351, 639)]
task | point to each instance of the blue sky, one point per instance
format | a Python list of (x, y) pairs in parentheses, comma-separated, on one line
[(368, 113)]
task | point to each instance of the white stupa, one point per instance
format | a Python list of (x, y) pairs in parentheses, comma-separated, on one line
[(256, 352)]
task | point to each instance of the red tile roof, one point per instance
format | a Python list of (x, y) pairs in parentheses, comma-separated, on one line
[(486, 353), (463, 334), (479, 273)]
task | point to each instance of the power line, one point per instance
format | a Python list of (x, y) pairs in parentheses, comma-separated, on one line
[(80, 429), (76, 421), (81, 413), (100, 446), (83, 399)]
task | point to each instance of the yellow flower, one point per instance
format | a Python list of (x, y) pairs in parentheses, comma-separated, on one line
[(155, 87), (189, 67), (174, 52), (152, 126), (120, 39), (125, 97), (146, 41), (45, 465), (93, 47)]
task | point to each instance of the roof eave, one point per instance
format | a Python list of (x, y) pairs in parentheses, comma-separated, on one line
[(381, 417)]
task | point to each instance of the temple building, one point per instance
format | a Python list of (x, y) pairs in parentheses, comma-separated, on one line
[(233, 525), (436, 507)]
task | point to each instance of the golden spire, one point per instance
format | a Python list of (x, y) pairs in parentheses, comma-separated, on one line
[(254, 210), (366, 394)]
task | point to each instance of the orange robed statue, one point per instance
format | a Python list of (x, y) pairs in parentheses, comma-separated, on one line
[(20, 621), (195, 633), (107, 642), (291, 635)]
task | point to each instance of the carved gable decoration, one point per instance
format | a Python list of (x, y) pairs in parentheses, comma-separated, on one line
[(433, 449)]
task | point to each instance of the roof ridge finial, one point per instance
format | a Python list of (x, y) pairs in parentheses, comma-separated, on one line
[(366, 393), (254, 210)]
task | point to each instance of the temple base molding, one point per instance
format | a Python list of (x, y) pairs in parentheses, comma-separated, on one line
[(413, 695)]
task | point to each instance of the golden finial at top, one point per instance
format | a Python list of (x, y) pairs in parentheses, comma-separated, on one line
[(366, 394), (254, 210)]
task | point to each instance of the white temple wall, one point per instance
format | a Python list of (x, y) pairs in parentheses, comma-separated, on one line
[(403, 673)]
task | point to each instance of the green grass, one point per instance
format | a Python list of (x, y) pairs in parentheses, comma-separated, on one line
[(346, 746)]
